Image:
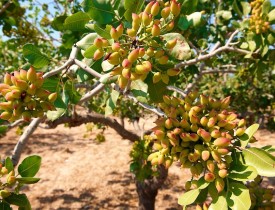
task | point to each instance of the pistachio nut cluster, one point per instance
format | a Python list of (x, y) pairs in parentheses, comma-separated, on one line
[(24, 96), (258, 22), (137, 50), (199, 133), (261, 198), (7, 181)]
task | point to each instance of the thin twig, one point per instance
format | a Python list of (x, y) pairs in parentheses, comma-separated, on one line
[(145, 106), (91, 93), (69, 62), (87, 68)]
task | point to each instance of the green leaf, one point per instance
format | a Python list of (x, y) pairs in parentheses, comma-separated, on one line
[(182, 50), (29, 166), (70, 94), (34, 56), (87, 41), (240, 196), (261, 160), (266, 7), (194, 19), (156, 91), (202, 184), (224, 14), (9, 164), (271, 15), (188, 197), (4, 206), (3, 129), (54, 115), (139, 90), (89, 53), (111, 102), (105, 33), (76, 22), (183, 23), (19, 200), (269, 148), (236, 8), (132, 6), (27, 180), (243, 173), (51, 84), (100, 11), (189, 6), (58, 22), (249, 132), (246, 8), (219, 203)]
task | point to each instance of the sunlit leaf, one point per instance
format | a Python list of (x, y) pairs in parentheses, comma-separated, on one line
[(240, 196), (249, 132), (188, 197), (34, 56), (77, 21), (182, 50), (100, 11), (29, 166), (261, 160)]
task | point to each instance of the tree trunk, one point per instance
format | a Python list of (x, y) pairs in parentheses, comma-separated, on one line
[(148, 189)]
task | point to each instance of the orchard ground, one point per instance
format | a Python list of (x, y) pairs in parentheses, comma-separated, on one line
[(77, 172)]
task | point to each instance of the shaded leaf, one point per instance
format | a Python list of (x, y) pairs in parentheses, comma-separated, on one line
[(261, 160), (139, 90), (105, 33), (19, 200), (27, 180), (266, 7), (29, 166), (4, 206), (156, 91), (111, 102), (34, 56), (51, 84), (9, 164), (132, 6), (58, 22), (100, 11)]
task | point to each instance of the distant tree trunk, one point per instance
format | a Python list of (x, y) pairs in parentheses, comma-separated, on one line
[(148, 189)]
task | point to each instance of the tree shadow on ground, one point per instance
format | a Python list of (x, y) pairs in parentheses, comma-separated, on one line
[(85, 199)]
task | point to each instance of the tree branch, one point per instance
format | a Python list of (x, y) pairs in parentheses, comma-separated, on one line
[(91, 93), (5, 7), (214, 51), (24, 139), (68, 63), (94, 118), (87, 68), (145, 106)]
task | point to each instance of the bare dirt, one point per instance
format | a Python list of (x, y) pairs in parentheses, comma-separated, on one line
[(77, 172)]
